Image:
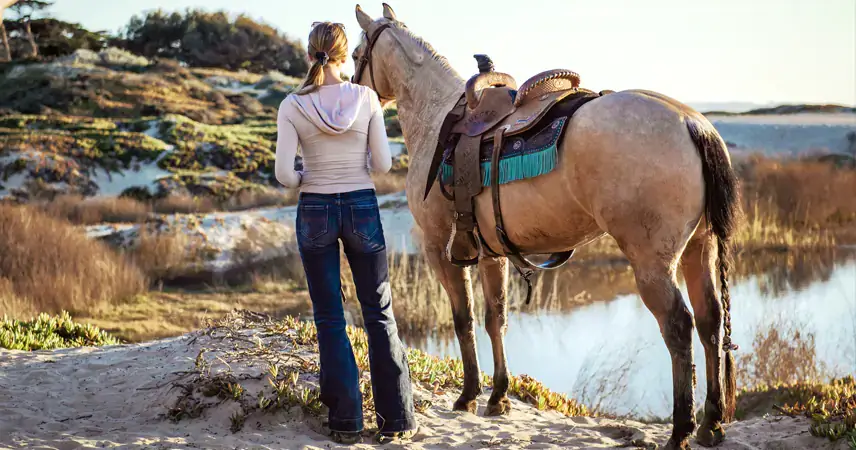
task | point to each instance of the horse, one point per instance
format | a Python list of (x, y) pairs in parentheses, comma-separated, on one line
[(641, 167)]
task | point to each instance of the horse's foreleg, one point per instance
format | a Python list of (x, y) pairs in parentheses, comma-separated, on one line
[(494, 278), (456, 282)]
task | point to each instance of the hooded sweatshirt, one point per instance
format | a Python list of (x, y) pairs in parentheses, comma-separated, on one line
[(341, 132)]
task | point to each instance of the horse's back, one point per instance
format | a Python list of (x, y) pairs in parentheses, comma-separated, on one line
[(625, 157)]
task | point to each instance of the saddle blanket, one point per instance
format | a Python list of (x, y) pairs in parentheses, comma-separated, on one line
[(529, 154)]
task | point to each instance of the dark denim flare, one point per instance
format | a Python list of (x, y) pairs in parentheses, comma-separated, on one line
[(354, 218)]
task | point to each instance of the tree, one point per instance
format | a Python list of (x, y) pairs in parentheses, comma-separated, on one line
[(24, 10), (4, 38), (213, 39), (58, 38)]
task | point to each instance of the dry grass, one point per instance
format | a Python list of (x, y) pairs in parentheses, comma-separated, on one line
[(781, 354), (81, 210), (50, 266), (162, 256), (289, 358), (89, 211), (184, 204), (260, 199), (389, 183), (159, 315), (805, 195)]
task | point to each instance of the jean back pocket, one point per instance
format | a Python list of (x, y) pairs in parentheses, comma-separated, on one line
[(366, 221), (312, 221)]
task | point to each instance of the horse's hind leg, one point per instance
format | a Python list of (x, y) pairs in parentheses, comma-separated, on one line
[(494, 277), (456, 282), (659, 290), (699, 266), (654, 262)]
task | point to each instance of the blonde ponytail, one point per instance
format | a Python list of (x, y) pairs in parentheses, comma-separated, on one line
[(313, 79), (328, 44)]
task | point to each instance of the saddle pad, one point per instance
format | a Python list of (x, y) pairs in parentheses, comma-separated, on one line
[(527, 153), (523, 156)]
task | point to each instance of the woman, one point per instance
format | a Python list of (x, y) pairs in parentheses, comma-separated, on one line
[(340, 128)]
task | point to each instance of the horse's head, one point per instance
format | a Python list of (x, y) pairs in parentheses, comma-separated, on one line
[(376, 58)]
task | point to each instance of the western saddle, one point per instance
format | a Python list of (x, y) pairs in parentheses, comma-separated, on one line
[(491, 109)]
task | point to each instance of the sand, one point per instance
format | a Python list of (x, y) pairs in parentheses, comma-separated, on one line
[(118, 397)]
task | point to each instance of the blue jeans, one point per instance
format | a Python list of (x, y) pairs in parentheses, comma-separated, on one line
[(353, 218)]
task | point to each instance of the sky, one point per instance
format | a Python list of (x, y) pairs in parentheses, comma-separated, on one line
[(755, 51)]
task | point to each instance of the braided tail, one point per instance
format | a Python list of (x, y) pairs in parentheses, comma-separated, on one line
[(727, 345), (721, 207)]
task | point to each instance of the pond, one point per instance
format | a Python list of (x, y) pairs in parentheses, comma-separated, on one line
[(609, 352)]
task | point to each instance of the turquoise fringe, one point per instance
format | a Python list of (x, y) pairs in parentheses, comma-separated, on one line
[(519, 167)]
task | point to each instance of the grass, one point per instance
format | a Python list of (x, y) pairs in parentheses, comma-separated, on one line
[(81, 210), (782, 353), (800, 195), (89, 211), (47, 332), (831, 407), (286, 350), (240, 149), (48, 265), (168, 313), (389, 183)]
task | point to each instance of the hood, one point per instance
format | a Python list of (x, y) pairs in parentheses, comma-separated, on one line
[(334, 108)]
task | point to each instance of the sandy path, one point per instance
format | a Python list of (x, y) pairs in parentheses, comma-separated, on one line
[(116, 397)]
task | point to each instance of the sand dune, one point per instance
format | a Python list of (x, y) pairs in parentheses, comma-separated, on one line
[(119, 396)]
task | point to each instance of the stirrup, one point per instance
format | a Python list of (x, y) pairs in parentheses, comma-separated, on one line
[(555, 260), (461, 262)]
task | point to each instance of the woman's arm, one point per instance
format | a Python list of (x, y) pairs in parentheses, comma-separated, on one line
[(380, 160), (286, 149)]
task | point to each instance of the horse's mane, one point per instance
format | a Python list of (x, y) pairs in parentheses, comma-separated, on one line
[(444, 63)]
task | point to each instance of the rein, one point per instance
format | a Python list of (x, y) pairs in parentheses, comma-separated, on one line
[(366, 58)]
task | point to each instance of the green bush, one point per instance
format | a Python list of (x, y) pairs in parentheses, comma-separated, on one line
[(47, 332)]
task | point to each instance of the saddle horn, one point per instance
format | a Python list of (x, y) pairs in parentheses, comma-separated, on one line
[(486, 77)]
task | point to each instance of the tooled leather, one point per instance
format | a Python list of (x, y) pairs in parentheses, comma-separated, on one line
[(547, 81), (486, 80)]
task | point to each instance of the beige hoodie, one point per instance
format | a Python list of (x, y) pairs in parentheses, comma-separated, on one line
[(341, 132)]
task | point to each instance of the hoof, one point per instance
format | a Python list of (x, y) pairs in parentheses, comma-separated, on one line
[(463, 404), (710, 436), (500, 408), (674, 444)]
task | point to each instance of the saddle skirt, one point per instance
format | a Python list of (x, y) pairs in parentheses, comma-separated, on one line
[(530, 146)]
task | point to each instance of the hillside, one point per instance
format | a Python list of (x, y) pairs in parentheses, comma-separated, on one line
[(112, 123), (803, 108)]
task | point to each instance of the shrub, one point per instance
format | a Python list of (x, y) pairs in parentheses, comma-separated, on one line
[(161, 256), (50, 332)]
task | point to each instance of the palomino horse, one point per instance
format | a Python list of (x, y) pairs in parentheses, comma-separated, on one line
[(646, 169)]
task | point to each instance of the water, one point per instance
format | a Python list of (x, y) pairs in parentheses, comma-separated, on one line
[(788, 134), (614, 345)]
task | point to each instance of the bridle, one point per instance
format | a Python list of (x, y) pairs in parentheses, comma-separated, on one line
[(366, 58)]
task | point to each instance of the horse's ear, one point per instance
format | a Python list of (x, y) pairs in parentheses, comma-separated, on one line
[(388, 12), (363, 19)]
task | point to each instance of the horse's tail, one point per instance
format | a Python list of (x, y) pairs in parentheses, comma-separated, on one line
[(721, 210)]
